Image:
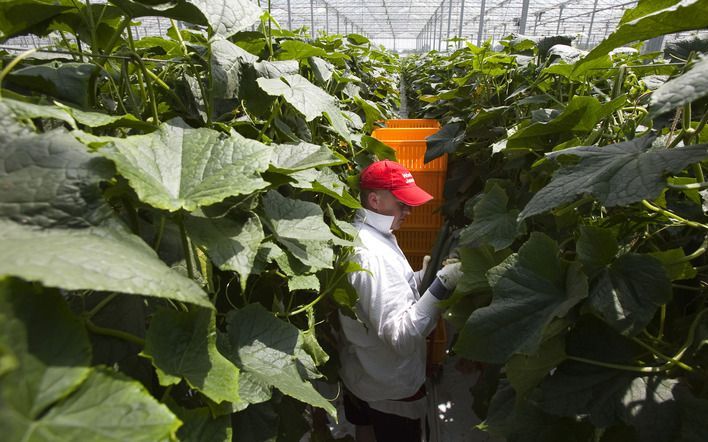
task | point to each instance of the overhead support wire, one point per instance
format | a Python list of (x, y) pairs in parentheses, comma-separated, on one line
[(462, 18), (481, 24)]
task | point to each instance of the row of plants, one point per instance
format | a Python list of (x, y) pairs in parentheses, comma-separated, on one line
[(173, 218), (576, 185)]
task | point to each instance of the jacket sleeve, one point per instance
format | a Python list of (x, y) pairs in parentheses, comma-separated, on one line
[(388, 306)]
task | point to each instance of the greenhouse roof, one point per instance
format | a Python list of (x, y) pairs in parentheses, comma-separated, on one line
[(406, 25), (407, 21)]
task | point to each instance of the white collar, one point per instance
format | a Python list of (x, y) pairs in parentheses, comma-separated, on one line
[(380, 222)]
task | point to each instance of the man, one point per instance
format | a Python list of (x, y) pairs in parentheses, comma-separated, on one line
[(383, 354)]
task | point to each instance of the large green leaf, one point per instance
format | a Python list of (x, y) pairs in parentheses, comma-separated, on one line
[(231, 244), (530, 289), (178, 167), (19, 16), (579, 117), (446, 140), (67, 81), (299, 50), (525, 372), (618, 174), (475, 264), (294, 157), (92, 259), (596, 248), (684, 89), (308, 99), (300, 227), (649, 22), (183, 345), (271, 351), (227, 17), (228, 64), (199, 425), (108, 406), (493, 222), (327, 182), (51, 346), (21, 110), (610, 396), (51, 180), (675, 263), (629, 291)]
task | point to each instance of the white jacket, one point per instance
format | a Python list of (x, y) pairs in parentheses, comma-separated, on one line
[(383, 356)]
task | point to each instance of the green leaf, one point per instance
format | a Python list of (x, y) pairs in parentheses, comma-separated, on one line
[(228, 63), (199, 425), (525, 372), (308, 99), (596, 248), (70, 176), (609, 396), (293, 157), (178, 167), (628, 293), (108, 406), (304, 282), (377, 148), (257, 423), (295, 219), (298, 50), (325, 181), (675, 264), (183, 344), (493, 222), (21, 110), (531, 288), (231, 244), (68, 81), (579, 117), (19, 16), (92, 259), (475, 264), (681, 90), (616, 175), (227, 17), (322, 69), (271, 351), (446, 140), (299, 226), (51, 347), (649, 22)]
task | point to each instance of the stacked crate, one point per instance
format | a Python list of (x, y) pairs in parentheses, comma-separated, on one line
[(407, 137)]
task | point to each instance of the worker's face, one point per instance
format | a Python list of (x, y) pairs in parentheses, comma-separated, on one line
[(383, 202)]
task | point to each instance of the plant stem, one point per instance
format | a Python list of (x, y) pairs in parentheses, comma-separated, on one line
[(616, 366), (669, 359), (672, 215), (120, 334), (14, 63), (160, 231), (185, 246), (90, 314)]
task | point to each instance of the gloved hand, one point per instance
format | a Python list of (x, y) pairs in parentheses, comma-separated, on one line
[(420, 274), (450, 275)]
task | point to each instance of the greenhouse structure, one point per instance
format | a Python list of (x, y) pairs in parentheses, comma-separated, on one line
[(451, 220)]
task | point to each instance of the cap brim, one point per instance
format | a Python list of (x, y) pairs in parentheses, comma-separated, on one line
[(412, 196)]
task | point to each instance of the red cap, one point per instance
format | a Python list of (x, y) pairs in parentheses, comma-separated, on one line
[(389, 175)]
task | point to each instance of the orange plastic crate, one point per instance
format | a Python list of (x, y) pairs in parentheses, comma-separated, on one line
[(415, 244), (411, 153), (394, 133), (428, 215), (412, 123)]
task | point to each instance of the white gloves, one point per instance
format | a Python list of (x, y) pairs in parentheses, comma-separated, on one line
[(450, 275)]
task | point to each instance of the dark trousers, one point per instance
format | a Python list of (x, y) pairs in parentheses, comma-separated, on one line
[(387, 427)]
